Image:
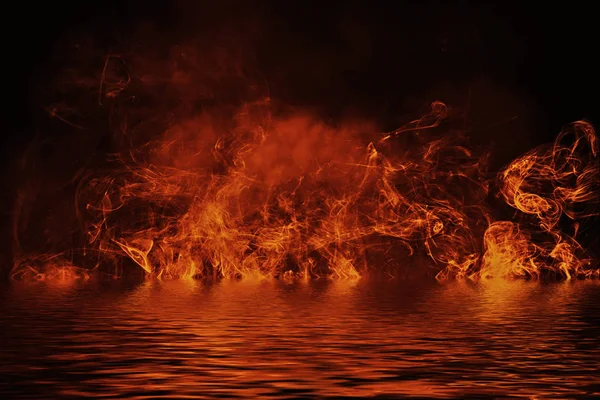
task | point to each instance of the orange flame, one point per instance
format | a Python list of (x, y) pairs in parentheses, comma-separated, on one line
[(285, 195), (548, 184)]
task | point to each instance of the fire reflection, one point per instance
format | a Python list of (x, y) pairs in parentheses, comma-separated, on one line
[(316, 338)]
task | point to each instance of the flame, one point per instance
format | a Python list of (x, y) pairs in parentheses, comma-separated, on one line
[(273, 193), (548, 184), (32, 270)]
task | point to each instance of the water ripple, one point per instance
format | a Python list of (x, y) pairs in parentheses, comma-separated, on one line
[(320, 339)]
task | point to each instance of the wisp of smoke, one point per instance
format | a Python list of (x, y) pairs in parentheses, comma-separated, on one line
[(254, 188)]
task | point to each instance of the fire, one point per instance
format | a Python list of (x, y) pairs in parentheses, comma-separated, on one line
[(51, 270), (548, 184), (266, 191)]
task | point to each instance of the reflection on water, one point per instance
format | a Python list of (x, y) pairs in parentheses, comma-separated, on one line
[(251, 339)]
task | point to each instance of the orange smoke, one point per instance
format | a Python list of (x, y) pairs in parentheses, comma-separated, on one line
[(548, 184), (273, 192)]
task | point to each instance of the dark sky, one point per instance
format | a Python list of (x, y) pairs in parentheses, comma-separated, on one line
[(374, 55), (521, 70), (398, 51)]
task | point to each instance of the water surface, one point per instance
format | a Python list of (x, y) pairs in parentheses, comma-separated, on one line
[(183, 339)]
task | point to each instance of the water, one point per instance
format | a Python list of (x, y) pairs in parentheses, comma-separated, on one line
[(274, 339)]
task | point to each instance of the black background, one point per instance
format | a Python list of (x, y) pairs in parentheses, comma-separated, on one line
[(543, 54), (523, 70)]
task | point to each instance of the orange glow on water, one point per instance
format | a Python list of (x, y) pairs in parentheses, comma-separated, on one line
[(187, 338)]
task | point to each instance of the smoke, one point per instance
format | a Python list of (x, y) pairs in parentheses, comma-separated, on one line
[(221, 141)]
